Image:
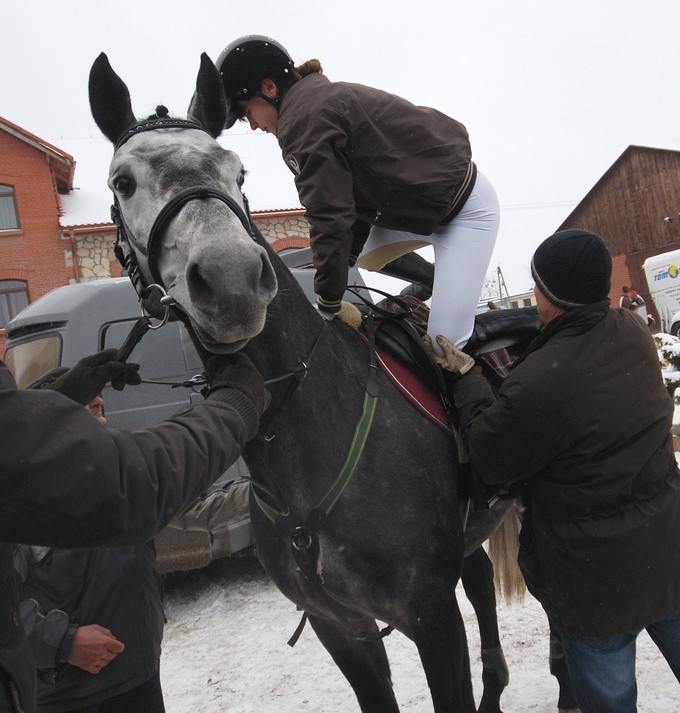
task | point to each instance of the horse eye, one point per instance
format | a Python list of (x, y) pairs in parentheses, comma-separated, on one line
[(124, 185), (241, 179)]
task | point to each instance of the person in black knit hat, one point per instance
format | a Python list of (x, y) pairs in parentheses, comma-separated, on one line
[(573, 268), (582, 432)]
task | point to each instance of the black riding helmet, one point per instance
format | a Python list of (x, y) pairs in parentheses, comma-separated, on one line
[(245, 62)]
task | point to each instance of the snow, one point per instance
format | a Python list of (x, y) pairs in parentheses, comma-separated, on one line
[(269, 182), (668, 348), (225, 651)]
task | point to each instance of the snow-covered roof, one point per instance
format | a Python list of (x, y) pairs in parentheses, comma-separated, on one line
[(269, 183), (63, 164)]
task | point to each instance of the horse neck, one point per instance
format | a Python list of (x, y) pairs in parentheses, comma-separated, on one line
[(294, 335), (291, 330)]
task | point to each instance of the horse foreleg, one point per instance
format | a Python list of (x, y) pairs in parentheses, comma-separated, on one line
[(364, 664), (566, 702), (479, 588), (439, 634)]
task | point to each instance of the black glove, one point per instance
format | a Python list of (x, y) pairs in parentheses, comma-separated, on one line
[(236, 371), (91, 374)]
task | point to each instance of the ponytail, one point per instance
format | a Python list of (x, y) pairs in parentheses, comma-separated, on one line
[(311, 66)]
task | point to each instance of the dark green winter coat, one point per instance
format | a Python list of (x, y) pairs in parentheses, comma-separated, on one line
[(583, 424)]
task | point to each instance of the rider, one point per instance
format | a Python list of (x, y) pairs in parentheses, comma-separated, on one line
[(379, 177)]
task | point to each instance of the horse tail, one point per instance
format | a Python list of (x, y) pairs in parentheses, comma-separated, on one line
[(503, 550)]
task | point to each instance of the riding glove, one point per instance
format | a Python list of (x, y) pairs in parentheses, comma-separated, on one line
[(236, 371), (348, 313), (454, 360), (91, 374)]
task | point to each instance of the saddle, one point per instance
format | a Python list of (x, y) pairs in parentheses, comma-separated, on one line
[(499, 336)]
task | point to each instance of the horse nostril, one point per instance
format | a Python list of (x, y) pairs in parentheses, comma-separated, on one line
[(199, 288), (267, 274)]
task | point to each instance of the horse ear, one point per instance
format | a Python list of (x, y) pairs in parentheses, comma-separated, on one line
[(208, 105), (109, 100)]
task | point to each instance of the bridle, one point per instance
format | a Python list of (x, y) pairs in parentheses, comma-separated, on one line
[(128, 259)]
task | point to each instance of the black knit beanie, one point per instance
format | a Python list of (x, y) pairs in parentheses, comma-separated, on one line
[(573, 268)]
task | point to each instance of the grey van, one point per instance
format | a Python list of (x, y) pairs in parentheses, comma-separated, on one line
[(76, 320)]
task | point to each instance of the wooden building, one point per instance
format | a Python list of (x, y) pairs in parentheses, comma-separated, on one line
[(635, 207)]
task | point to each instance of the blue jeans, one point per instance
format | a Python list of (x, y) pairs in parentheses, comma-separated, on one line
[(602, 668)]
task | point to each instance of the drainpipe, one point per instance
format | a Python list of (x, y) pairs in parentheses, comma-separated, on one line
[(74, 256)]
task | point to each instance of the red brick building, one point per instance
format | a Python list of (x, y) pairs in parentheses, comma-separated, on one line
[(635, 207), (40, 249), (32, 175)]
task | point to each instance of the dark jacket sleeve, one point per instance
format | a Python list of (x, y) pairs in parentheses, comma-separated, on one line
[(325, 186), (512, 437), (68, 481)]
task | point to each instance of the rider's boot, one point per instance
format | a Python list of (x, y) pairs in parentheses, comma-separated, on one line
[(414, 269)]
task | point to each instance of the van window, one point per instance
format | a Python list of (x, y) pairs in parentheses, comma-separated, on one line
[(29, 360), (160, 360), (157, 353)]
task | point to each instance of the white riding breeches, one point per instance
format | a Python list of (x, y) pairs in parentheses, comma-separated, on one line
[(462, 253)]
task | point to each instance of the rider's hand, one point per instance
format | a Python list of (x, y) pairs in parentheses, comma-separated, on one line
[(236, 371), (350, 314), (91, 374), (454, 360)]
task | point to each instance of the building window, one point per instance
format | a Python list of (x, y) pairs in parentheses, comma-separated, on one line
[(527, 301), (13, 298), (9, 219)]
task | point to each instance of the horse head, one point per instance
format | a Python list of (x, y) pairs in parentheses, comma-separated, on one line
[(174, 186)]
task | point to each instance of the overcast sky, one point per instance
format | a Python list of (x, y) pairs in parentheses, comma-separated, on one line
[(551, 91)]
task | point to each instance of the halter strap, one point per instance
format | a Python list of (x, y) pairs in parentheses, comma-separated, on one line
[(174, 205)]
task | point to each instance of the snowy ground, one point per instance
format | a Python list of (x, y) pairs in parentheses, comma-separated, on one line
[(225, 651)]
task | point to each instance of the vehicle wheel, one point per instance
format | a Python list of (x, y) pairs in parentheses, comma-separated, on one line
[(675, 329)]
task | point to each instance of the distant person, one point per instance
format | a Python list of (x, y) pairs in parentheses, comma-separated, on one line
[(378, 176), (631, 299), (50, 449), (624, 300), (583, 433), (636, 300), (94, 619)]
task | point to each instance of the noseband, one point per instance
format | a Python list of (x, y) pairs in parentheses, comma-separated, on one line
[(154, 242)]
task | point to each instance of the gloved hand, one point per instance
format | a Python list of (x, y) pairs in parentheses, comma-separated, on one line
[(350, 314), (91, 374), (236, 371), (454, 360)]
